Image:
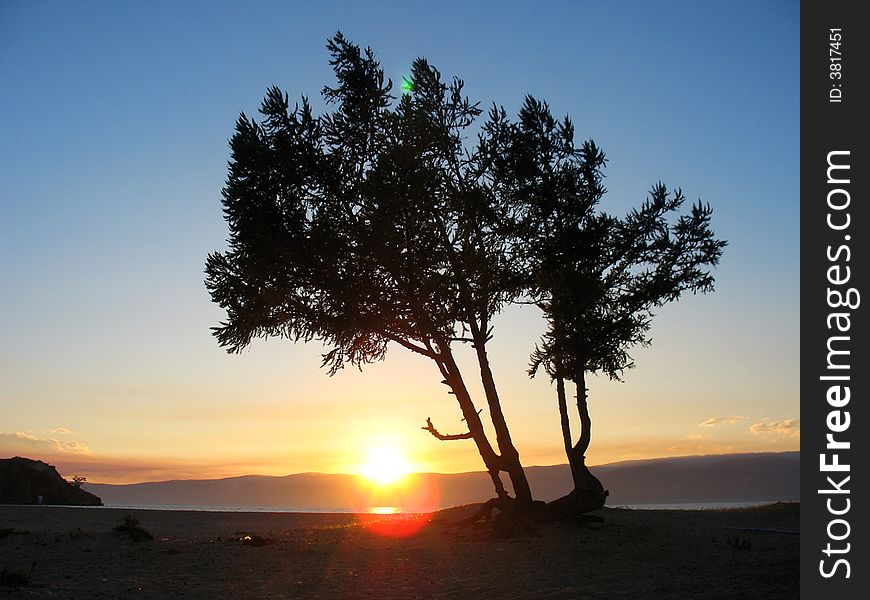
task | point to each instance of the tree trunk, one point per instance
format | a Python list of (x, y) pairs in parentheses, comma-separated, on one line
[(492, 460), (588, 493), (510, 458), (586, 485), (566, 430)]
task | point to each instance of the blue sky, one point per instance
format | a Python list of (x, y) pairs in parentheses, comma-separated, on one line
[(115, 125)]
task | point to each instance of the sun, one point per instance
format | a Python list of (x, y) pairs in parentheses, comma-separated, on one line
[(385, 465)]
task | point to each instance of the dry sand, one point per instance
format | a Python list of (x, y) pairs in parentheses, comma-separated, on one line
[(199, 555)]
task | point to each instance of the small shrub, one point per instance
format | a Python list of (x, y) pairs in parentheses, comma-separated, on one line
[(130, 526), (739, 543)]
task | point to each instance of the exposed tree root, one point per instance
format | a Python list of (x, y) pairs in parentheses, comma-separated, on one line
[(502, 519), (484, 513), (575, 504)]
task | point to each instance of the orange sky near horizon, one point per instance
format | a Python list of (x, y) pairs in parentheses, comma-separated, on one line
[(274, 412)]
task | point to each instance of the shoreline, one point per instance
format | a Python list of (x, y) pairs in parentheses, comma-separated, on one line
[(200, 554), (665, 506)]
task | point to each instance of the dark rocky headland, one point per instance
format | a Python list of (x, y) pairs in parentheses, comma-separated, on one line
[(27, 481)]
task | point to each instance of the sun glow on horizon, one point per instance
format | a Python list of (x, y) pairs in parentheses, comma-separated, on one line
[(385, 465)]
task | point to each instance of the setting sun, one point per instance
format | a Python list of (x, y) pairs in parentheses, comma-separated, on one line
[(385, 465)]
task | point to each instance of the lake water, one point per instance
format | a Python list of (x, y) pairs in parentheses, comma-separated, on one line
[(383, 510)]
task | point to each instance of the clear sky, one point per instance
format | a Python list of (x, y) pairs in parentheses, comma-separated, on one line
[(115, 121)]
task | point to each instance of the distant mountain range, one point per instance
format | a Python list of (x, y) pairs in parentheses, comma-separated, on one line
[(692, 479)]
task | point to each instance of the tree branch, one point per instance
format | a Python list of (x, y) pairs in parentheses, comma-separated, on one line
[(441, 436), (412, 347)]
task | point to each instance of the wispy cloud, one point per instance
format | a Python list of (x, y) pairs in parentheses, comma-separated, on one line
[(60, 430), (722, 420), (786, 427), (27, 443), (697, 436)]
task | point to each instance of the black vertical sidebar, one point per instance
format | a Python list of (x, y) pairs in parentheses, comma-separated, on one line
[(835, 370)]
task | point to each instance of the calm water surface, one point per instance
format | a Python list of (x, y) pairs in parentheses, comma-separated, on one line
[(389, 510)]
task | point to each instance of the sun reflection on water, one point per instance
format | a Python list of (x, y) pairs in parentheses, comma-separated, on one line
[(384, 510)]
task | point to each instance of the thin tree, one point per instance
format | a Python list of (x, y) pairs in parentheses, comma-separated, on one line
[(367, 225), (596, 277)]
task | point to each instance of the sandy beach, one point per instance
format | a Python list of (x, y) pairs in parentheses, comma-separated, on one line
[(55, 552)]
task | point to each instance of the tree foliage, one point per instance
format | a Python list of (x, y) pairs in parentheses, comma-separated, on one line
[(362, 226), (597, 277)]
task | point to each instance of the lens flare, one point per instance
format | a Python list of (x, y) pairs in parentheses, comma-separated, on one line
[(396, 525)]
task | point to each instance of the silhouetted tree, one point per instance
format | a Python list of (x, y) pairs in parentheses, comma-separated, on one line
[(372, 224), (596, 277)]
